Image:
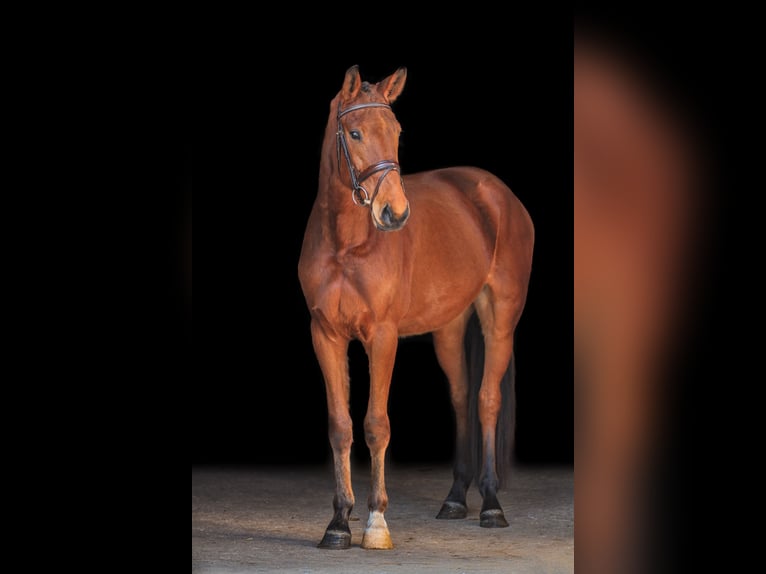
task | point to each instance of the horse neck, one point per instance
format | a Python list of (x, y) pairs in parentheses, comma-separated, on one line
[(345, 223)]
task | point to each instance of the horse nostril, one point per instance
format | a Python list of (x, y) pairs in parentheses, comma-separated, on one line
[(386, 215)]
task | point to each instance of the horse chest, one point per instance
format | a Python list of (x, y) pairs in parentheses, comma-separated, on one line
[(349, 300)]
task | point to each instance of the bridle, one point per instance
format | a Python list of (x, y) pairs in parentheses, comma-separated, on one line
[(359, 194)]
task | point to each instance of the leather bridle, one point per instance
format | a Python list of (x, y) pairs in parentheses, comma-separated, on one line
[(359, 193)]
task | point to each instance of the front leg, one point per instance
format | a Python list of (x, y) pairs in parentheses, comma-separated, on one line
[(332, 354), (381, 352)]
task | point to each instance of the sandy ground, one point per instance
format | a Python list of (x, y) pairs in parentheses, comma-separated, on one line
[(265, 519)]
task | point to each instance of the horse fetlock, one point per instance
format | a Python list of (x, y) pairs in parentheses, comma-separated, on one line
[(377, 440)]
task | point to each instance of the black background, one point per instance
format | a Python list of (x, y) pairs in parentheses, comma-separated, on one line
[(258, 395)]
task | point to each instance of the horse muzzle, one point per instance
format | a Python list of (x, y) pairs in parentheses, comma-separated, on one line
[(387, 220)]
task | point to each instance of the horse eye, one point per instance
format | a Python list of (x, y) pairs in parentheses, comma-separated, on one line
[(355, 135)]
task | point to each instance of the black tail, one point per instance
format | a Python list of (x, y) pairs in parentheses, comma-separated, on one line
[(506, 420)]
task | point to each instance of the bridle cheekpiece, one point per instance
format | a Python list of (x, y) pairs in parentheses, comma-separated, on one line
[(359, 193)]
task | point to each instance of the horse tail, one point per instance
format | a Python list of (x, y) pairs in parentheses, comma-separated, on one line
[(506, 420)]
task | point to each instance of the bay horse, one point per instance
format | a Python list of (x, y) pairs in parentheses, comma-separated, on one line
[(451, 256)]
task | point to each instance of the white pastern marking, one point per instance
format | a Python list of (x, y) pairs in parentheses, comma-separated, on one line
[(376, 520)]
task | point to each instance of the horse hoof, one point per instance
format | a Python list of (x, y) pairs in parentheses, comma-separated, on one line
[(336, 540), (376, 535), (493, 518), (453, 510), (377, 540)]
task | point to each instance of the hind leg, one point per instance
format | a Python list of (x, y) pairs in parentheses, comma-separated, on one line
[(498, 320), (448, 344)]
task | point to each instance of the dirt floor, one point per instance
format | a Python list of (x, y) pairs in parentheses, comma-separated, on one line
[(265, 519)]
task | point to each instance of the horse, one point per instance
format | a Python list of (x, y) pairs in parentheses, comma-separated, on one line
[(386, 256)]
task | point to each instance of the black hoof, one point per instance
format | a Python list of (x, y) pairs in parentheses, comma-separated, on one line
[(452, 510), (493, 518), (336, 540)]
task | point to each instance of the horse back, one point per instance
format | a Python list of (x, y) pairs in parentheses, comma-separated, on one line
[(469, 208)]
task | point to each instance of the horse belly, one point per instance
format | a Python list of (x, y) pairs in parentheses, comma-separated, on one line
[(445, 282), (425, 317)]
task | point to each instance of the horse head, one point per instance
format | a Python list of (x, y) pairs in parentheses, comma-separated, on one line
[(368, 140)]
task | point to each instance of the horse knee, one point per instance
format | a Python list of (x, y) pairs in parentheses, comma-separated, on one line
[(341, 433), (377, 432)]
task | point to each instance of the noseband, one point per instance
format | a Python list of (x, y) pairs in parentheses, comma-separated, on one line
[(359, 194)]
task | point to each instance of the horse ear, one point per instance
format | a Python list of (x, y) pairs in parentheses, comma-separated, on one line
[(352, 82), (394, 84)]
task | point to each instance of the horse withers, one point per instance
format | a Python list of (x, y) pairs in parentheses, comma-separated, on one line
[(386, 256)]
